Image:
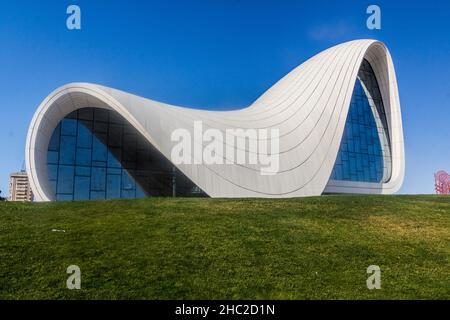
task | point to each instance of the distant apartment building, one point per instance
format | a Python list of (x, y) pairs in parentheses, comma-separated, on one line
[(19, 187)]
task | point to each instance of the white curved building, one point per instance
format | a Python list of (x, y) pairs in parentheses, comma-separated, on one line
[(338, 117)]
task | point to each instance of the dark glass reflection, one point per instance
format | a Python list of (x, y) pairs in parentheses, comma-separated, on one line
[(95, 154), (364, 154)]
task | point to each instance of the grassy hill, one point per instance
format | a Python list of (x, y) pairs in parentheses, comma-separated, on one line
[(311, 248)]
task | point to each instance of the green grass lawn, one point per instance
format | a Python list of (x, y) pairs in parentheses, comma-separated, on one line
[(311, 248)]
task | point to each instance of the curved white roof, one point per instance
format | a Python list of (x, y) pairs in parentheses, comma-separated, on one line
[(309, 106)]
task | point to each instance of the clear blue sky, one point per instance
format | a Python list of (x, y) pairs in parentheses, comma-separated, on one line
[(219, 54)]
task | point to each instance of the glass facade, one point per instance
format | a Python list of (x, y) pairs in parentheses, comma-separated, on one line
[(96, 154), (365, 153)]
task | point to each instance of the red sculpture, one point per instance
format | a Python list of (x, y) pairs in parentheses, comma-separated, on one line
[(442, 182)]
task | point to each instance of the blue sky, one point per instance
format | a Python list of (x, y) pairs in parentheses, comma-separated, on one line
[(217, 55)]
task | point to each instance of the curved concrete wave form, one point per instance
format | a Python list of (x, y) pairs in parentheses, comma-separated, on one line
[(309, 106)]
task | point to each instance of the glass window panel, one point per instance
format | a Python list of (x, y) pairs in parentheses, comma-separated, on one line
[(129, 129), (83, 157), (98, 179), (86, 114), (65, 179), (52, 170), (52, 157), (72, 115), (115, 171), (127, 181), (114, 117), (98, 195), (64, 197), (82, 185), (83, 171), (67, 151), (99, 150), (114, 156), (113, 187), (140, 193), (101, 115), (84, 138), (101, 164), (115, 135), (129, 194), (101, 127), (69, 127), (54, 140)]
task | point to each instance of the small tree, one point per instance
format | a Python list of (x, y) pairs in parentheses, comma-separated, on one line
[(1, 198)]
